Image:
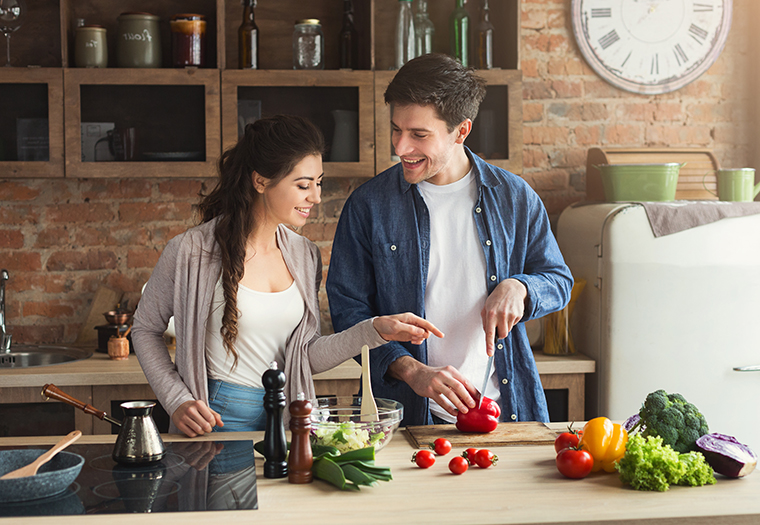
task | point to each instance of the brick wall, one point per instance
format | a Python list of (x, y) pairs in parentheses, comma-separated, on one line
[(61, 239)]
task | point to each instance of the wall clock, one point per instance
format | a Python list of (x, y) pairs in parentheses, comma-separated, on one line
[(651, 46)]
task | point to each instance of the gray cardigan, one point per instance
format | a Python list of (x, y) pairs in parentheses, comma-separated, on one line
[(182, 285)]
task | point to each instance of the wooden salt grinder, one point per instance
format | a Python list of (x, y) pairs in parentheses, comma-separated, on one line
[(275, 443), (301, 459)]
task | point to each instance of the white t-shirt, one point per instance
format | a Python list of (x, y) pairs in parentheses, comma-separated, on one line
[(265, 323), (456, 288)]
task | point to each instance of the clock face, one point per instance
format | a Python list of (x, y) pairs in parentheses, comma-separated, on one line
[(651, 46)]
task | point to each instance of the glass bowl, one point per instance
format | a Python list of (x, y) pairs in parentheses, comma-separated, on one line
[(338, 421)]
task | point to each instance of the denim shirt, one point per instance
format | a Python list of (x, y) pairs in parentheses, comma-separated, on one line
[(379, 266)]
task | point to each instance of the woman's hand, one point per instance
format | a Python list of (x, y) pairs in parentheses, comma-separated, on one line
[(405, 327), (195, 418)]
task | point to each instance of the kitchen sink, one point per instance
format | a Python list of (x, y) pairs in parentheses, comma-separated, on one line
[(27, 356)]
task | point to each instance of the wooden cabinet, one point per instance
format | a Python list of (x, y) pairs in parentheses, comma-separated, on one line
[(184, 118)]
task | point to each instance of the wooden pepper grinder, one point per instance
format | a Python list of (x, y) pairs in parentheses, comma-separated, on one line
[(301, 459), (275, 444)]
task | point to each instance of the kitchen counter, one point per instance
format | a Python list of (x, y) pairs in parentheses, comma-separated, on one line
[(99, 380), (524, 487)]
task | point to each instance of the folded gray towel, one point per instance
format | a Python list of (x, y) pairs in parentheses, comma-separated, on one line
[(671, 217)]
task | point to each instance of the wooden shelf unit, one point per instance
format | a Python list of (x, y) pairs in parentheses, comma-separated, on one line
[(47, 40)]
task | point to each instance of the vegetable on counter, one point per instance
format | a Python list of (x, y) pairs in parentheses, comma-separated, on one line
[(726, 455), (423, 458), (674, 419), (648, 464), (350, 470), (574, 462), (605, 441), (484, 419), (568, 439), (458, 465), (441, 446)]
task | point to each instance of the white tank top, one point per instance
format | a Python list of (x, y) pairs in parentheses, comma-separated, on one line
[(265, 323)]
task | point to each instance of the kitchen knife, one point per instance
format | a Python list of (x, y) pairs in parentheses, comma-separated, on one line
[(485, 381)]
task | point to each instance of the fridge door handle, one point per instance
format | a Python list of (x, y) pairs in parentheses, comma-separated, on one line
[(751, 368)]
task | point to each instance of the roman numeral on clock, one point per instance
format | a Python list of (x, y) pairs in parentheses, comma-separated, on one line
[(601, 12), (697, 33), (703, 8), (655, 69), (680, 55), (609, 39)]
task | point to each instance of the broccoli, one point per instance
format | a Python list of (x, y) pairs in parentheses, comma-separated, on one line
[(674, 419)]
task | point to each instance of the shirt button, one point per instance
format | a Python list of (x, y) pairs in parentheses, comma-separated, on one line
[(504, 381), (514, 417), (488, 243), (393, 247), (500, 346), (477, 210), (493, 277)]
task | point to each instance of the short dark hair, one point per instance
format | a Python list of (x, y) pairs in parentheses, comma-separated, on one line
[(440, 81)]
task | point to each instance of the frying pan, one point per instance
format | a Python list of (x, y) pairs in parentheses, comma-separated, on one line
[(52, 478)]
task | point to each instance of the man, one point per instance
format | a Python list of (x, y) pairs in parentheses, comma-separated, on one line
[(458, 241)]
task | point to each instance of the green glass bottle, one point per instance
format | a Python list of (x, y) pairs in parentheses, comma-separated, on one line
[(459, 33)]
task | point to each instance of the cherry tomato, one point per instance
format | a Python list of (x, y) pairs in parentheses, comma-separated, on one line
[(484, 458), (423, 458), (470, 455), (568, 439), (574, 463), (458, 465), (441, 446)]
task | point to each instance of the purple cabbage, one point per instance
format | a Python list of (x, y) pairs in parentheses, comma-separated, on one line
[(726, 455), (633, 422)]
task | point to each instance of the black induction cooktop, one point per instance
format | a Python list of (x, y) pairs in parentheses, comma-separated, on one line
[(192, 476)]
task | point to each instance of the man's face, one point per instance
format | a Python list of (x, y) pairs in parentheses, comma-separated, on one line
[(423, 143)]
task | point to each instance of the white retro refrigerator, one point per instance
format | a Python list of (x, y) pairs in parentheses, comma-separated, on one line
[(680, 312)]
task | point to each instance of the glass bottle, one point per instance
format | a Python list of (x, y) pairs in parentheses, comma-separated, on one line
[(349, 56), (423, 29), (459, 32), (405, 48), (485, 38), (308, 45), (248, 38)]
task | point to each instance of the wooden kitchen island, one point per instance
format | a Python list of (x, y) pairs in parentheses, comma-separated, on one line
[(98, 380), (524, 487)]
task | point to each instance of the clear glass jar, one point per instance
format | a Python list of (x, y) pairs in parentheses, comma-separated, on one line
[(308, 45)]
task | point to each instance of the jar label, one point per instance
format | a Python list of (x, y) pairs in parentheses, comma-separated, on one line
[(144, 36)]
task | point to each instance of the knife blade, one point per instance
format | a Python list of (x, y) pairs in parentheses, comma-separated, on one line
[(485, 381)]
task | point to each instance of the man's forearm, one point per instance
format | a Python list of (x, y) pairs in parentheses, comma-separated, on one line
[(403, 367)]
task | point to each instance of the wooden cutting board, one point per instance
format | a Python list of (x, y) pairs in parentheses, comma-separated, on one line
[(524, 433)]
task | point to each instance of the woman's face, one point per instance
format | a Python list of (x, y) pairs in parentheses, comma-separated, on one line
[(290, 200)]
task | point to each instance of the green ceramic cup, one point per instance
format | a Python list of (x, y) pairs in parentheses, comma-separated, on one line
[(737, 185)]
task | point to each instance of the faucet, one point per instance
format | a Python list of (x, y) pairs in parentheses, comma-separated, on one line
[(5, 338)]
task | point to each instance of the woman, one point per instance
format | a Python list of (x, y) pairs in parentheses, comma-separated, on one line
[(242, 288)]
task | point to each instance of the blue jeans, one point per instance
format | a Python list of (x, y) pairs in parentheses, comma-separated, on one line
[(240, 407)]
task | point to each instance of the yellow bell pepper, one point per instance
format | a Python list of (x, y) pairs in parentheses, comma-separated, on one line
[(605, 441)]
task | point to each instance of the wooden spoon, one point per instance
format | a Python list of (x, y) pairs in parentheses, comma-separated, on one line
[(369, 408), (31, 468)]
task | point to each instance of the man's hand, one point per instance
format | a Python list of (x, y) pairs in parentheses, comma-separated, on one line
[(195, 418), (503, 309), (405, 327), (446, 385)]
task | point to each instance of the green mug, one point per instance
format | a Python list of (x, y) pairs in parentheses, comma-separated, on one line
[(736, 185)]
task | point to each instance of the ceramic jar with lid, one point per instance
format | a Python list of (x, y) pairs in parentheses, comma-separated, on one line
[(188, 40), (308, 45), (138, 42), (90, 49)]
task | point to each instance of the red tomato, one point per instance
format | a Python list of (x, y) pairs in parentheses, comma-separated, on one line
[(568, 439), (470, 455), (458, 465), (485, 458), (441, 446), (574, 463), (423, 458)]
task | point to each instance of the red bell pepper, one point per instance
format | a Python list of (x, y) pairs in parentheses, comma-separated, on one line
[(483, 419)]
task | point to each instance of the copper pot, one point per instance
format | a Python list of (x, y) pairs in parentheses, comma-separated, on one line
[(117, 317)]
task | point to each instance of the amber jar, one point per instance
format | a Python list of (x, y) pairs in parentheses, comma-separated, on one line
[(188, 40)]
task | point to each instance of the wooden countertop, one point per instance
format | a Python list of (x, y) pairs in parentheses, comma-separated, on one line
[(524, 487), (101, 370)]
